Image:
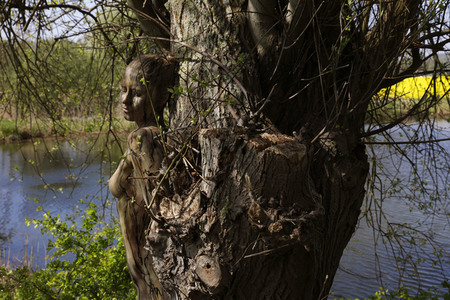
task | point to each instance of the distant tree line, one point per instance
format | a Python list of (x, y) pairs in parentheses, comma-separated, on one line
[(53, 79)]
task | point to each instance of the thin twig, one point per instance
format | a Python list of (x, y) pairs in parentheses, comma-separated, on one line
[(406, 142)]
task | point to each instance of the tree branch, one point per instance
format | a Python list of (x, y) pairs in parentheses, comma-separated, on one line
[(407, 142), (261, 22), (395, 122), (416, 63), (434, 34), (154, 20), (16, 4)]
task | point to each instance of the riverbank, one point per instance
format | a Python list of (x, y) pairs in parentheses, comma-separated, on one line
[(24, 129), (387, 109), (429, 98)]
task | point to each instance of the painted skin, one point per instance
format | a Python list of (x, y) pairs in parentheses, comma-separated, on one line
[(136, 104), (143, 156)]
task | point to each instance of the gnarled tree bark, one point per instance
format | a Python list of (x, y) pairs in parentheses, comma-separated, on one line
[(272, 101)]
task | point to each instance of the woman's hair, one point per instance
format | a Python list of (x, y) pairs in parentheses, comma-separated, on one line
[(158, 73)]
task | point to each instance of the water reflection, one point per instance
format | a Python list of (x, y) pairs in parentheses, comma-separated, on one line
[(54, 175), (419, 208)]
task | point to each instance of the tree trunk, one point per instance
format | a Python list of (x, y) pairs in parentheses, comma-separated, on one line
[(268, 212), (270, 219)]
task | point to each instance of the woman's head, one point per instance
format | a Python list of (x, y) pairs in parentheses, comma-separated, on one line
[(145, 88)]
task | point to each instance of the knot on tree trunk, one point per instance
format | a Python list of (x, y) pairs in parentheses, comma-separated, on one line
[(255, 201)]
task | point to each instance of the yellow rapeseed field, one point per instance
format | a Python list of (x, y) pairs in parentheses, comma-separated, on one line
[(414, 88)]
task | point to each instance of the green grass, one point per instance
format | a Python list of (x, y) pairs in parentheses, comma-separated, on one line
[(11, 130), (8, 127)]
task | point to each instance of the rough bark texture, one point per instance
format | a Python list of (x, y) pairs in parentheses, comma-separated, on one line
[(271, 104), (258, 226), (268, 218)]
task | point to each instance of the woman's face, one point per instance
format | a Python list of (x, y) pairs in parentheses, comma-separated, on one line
[(135, 100)]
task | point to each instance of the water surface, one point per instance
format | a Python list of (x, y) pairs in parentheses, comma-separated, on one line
[(54, 175), (57, 174), (368, 263)]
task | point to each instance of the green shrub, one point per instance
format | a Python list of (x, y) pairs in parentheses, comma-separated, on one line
[(87, 262), (403, 293), (7, 127)]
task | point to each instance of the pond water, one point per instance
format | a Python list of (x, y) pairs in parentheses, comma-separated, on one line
[(367, 262), (57, 174), (54, 175)]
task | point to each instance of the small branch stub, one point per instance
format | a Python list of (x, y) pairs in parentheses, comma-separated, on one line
[(209, 271)]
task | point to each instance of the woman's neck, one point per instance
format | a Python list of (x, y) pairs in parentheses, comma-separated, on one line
[(149, 123)]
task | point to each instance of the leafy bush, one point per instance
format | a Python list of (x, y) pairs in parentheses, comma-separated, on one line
[(403, 293), (7, 127), (87, 262)]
